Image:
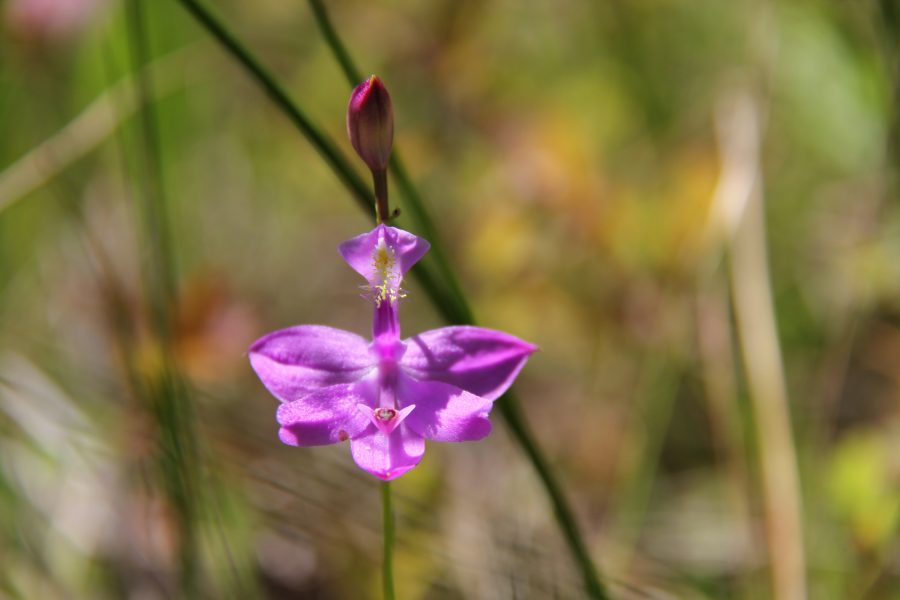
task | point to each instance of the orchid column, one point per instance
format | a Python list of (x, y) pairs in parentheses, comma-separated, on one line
[(389, 395)]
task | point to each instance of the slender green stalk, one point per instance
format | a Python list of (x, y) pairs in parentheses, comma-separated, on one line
[(740, 194), (454, 308), (382, 209), (418, 212), (163, 390), (512, 413), (388, 520), (334, 42), (387, 570), (162, 288), (758, 335)]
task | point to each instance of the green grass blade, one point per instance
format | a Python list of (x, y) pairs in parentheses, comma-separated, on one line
[(163, 390)]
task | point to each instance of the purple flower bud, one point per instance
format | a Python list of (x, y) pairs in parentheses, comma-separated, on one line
[(370, 123)]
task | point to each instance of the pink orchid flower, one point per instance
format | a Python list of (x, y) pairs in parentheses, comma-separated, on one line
[(389, 395)]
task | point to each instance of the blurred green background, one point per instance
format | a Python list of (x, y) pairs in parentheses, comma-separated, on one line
[(592, 167)]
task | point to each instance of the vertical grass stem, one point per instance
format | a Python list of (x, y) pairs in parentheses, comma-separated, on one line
[(387, 573)]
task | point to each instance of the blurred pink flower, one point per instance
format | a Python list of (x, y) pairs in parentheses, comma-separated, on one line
[(386, 396), (49, 20)]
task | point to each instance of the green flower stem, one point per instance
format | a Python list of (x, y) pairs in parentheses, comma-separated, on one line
[(161, 265), (454, 308), (382, 210), (354, 76), (387, 573), (416, 206), (512, 413)]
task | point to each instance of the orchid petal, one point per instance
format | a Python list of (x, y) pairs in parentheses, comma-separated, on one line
[(444, 413), (406, 249), (296, 361), (481, 361), (326, 416), (387, 456)]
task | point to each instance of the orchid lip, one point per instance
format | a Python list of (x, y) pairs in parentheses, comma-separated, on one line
[(384, 418)]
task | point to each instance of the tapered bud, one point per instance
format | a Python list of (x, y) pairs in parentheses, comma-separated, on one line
[(370, 123)]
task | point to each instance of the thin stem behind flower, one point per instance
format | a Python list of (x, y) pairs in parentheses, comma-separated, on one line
[(163, 390), (387, 512), (382, 208), (740, 131)]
